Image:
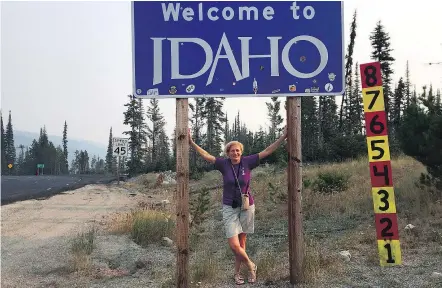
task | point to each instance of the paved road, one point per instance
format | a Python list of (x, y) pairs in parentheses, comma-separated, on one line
[(19, 188)]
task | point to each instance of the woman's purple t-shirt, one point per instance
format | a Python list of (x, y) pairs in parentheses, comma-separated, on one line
[(247, 164)]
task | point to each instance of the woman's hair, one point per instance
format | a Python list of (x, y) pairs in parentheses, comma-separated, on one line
[(228, 145)]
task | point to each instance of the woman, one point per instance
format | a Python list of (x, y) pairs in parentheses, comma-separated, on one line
[(236, 171)]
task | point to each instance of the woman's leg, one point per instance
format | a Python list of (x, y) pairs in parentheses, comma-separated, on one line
[(240, 252), (242, 242)]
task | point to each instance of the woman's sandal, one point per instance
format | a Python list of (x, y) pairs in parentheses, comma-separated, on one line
[(239, 280), (252, 275)]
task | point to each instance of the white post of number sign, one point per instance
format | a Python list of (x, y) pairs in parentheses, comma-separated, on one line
[(120, 148), (228, 49)]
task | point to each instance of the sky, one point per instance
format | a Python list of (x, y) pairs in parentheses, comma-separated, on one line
[(72, 61)]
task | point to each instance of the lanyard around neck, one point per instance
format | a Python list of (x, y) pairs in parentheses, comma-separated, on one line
[(234, 173)]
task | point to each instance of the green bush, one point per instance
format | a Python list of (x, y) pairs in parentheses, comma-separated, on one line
[(330, 182)]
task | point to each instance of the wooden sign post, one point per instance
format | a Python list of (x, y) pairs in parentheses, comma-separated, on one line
[(182, 192), (294, 179), (240, 54)]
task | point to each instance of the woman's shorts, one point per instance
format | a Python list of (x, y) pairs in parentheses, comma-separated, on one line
[(237, 221)]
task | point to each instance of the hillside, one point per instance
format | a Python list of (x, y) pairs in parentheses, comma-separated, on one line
[(25, 138), (340, 237)]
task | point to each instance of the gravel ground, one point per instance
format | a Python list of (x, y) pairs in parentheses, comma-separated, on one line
[(36, 238)]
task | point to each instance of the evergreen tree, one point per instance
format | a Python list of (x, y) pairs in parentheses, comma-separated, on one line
[(109, 154), (137, 138), (328, 121), (355, 107), (59, 161), (215, 119), (163, 152), (3, 148), (275, 119), (438, 102), (227, 132), (407, 88), (65, 162), (10, 146), (357, 104), (236, 128), (399, 102), (348, 71), (421, 138), (94, 164), (259, 142), (309, 128), (380, 41), (21, 160), (158, 123), (197, 126)]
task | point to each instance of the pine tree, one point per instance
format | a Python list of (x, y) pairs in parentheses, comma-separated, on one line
[(10, 146), (215, 119), (158, 123), (380, 41), (420, 136), (236, 128), (438, 102), (355, 115), (65, 149), (21, 159), (93, 164), (163, 152), (407, 88), (275, 119), (348, 70), (309, 128), (399, 102), (109, 154), (134, 118), (328, 121), (259, 142), (60, 161), (197, 126), (227, 137), (3, 148)]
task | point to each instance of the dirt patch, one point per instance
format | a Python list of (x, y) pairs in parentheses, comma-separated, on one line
[(36, 237)]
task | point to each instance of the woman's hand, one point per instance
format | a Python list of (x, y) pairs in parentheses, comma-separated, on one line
[(190, 136), (284, 133)]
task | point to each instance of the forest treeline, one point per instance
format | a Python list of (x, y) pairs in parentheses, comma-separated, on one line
[(331, 131)]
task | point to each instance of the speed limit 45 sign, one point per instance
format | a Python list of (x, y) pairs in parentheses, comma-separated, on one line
[(120, 146)]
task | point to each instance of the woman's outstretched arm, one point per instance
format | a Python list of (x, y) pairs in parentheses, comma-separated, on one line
[(272, 147), (201, 151)]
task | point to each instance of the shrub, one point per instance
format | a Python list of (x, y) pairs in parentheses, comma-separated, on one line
[(151, 226), (330, 181)]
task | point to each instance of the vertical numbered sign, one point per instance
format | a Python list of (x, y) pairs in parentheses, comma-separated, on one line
[(380, 165)]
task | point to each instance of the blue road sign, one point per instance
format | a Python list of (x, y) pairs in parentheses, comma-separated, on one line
[(237, 49)]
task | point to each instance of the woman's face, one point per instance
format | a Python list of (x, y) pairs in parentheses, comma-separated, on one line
[(235, 153)]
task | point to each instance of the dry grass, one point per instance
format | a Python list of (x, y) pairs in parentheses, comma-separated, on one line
[(145, 226), (333, 222), (81, 248)]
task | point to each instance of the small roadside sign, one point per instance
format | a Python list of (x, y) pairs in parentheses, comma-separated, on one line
[(120, 146)]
